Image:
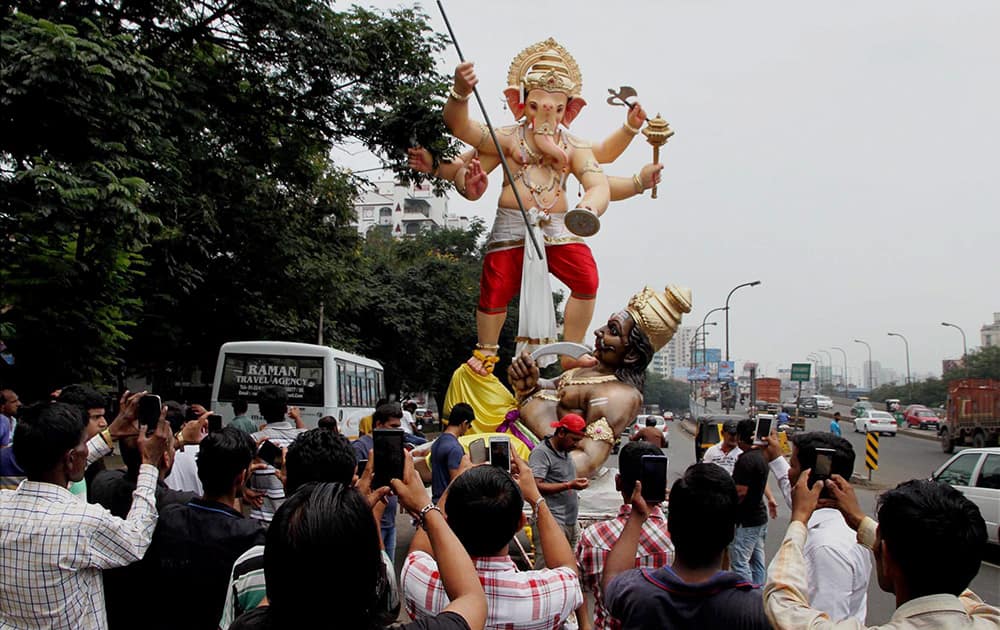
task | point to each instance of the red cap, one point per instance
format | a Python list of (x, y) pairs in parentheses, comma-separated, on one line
[(571, 422)]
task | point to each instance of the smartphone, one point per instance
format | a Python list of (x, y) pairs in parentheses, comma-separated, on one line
[(824, 466), (477, 451), (269, 452), (763, 430), (653, 475), (149, 411), (362, 464), (388, 452), (500, 453), (214, 422)]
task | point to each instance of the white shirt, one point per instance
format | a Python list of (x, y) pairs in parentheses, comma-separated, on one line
[(837, 567), (715, 455), (407, 423), (184, 474)]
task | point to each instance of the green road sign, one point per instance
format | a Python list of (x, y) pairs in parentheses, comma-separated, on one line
[(801, 371)]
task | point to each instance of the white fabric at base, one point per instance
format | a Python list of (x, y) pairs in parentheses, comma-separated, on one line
[(536, 314)]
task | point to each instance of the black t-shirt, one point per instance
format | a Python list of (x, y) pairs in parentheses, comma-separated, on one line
[(258, 619), (751, 471)]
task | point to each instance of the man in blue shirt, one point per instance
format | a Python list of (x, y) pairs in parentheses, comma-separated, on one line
[(386, 416), (782, 418), (446, 452), (835, 424)]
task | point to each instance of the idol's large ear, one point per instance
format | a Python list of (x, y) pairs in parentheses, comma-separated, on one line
[(514, 102), (573, 108)]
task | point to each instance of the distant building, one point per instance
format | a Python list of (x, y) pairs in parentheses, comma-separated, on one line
[(990, 333), (404, 210), (676, 354)]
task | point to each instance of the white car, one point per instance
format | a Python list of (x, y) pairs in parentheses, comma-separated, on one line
[(872, 421), (975, 472), (823, 402)]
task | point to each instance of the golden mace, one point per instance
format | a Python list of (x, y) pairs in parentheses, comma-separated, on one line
[(657, 132)]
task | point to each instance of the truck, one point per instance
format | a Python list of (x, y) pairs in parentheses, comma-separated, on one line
[(769, 391), (972, 414)]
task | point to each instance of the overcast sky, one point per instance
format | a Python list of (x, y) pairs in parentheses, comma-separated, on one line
[(846, 154)]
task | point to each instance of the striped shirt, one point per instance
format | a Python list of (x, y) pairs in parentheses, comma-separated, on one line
[(53, 547), (522, 600), (247, 586), (281, 434), (655, 551)]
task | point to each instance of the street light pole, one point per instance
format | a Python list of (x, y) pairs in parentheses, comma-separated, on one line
[(844, 352), (704, 350), (694, 342), (909, 381), (739, 286), (819, 363), (871, 382), (965, 347), (829, 361)]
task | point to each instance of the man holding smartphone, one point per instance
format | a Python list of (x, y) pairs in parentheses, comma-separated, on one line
[(653, 549), (837, 567), (279, 431), (555, 474), (386, 416)]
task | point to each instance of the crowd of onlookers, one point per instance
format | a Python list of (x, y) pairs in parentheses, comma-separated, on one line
[(196, 529)]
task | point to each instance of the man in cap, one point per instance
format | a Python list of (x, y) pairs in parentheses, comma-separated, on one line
[(726, 452), (555, 475)]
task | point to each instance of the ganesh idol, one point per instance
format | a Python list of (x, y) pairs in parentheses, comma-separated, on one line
[(544, 96)]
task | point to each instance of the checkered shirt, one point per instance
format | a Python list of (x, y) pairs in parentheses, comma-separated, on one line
[(522, 600), (53, 547), (655, 550)]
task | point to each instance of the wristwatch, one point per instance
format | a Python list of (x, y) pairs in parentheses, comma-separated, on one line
[(534, 510)]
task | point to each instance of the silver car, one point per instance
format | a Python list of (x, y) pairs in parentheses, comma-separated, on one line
[(975, 472)]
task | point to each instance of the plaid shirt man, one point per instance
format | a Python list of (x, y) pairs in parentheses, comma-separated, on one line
[(53, 547), (525, 600), (655, 550)]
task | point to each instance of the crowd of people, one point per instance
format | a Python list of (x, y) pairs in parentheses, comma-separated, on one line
[(198, 530)]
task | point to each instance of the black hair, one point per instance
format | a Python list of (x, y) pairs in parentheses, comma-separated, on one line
[(329, 423), (745, 430), (650, 421), (633, 372), (461, 412), (630, 463), (221, 456), (386, 411), (484, 509), (934, 533), (176, 414), (131, 455), (319, 455), (702, 515), (45, 431), (240, 406), (843, 457), (410, 406), (324, 525), (83, 396), (273, 403)]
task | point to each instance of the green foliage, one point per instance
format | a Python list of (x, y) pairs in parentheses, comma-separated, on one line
[(667, 393), (169, 181), (933, 392)]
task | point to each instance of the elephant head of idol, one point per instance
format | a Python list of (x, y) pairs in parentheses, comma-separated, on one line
[(544, 86)]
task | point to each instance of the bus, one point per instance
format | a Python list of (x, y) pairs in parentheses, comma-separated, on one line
[(322, 381)]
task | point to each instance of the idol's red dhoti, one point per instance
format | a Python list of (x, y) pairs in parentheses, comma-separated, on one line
[(568, 256)]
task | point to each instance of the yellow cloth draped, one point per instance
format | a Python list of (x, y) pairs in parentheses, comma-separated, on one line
[(489, 399)]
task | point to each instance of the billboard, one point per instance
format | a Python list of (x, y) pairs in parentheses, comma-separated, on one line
[(698, 374), (681, 373), (709, 355), (726, 369)]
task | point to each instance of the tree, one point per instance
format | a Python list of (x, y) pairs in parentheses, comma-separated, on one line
[(933, 392), (168, 175), (667, 393)]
